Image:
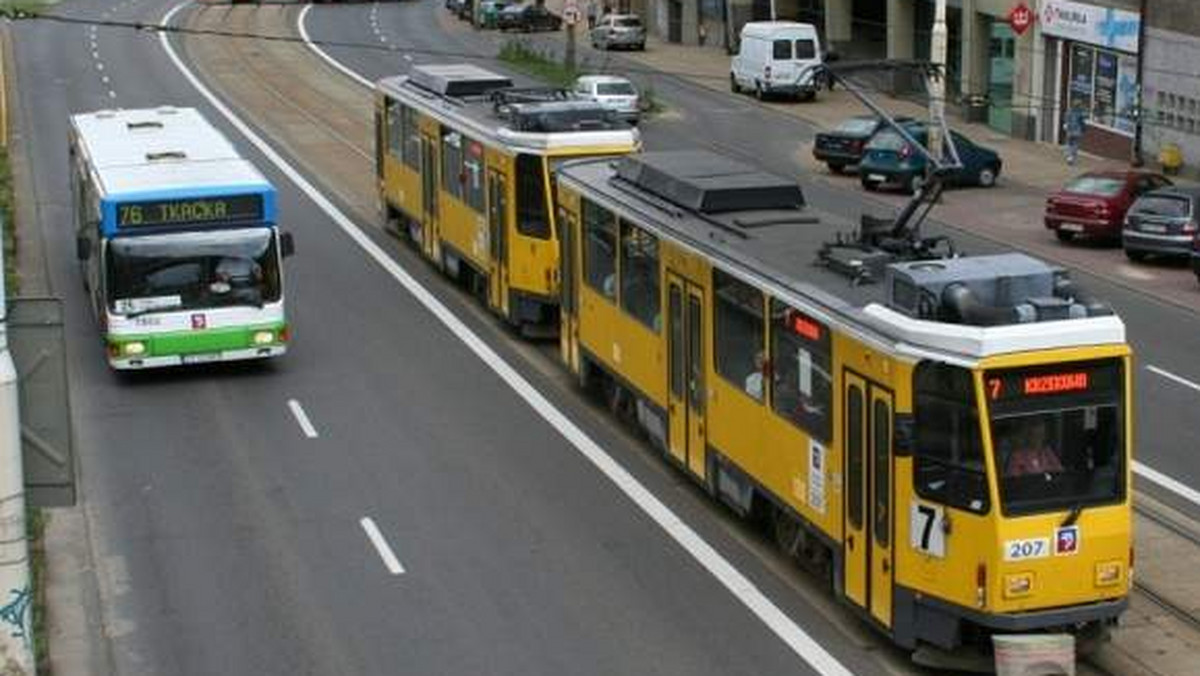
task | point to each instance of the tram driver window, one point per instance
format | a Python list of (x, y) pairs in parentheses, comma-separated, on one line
[(639, 275), (802, 369), (599, 249), (739, 343), (949, 465)]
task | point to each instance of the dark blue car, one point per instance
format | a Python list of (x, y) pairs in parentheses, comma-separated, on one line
[(889, 160)]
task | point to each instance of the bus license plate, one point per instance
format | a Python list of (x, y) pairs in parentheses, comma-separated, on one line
[(203, 358)]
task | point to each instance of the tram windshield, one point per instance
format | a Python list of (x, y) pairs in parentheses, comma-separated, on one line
[(1058, 436), (189, 271)]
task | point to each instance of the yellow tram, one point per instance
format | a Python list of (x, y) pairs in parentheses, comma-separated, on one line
[(464, 165), (951, 445)]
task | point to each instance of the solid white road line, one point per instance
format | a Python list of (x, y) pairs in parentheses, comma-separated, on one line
[(385, 552), (325, 57), (794, 636), (302, 419), (1172, 377), (1177, 487)]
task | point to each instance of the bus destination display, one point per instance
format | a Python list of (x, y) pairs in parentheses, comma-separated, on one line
[(1084, 378), (203, 210)]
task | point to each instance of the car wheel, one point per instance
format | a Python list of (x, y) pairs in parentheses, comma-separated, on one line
[(837, 167), (986, 177), (641, 46), (1135, 255), (733, 85), (915, 183), (1063, 235), (758, 91)]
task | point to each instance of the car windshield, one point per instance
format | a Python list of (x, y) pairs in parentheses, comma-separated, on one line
[(1164, 205), (615, 89), (1096, 185), (857, 125), (1058, 436), (628, 22), (189, 271), (887, 140)]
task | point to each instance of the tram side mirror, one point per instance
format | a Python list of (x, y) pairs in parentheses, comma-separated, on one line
[(905, 435), (83, 248), (287, 245)]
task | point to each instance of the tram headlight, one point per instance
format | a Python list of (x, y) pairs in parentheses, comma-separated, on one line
[(1018, 585), (1108, 573), (264, 337), (133, 348)]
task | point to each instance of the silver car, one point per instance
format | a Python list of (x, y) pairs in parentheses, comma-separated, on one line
[(614, 93), (619, 30)]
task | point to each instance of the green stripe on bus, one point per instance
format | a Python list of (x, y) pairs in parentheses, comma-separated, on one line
[(199, 341)]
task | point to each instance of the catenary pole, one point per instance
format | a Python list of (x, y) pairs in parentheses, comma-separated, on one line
[(937, 82)]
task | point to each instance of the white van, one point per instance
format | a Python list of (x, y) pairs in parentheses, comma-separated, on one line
[(777, 57)]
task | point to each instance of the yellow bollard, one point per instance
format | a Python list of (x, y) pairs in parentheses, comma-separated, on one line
[(1170, 156)]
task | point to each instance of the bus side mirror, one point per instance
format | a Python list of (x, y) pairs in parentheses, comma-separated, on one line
[(287, 245), (83, 248)]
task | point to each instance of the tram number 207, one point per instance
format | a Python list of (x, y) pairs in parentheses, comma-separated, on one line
[(1036, 548)]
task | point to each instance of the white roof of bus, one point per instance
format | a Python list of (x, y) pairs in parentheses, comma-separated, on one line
[(155, 149)]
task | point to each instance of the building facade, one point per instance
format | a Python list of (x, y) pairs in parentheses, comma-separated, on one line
[(1072, 53), (1171, 76)]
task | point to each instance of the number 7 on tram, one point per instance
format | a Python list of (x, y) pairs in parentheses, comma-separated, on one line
[(177, 240)]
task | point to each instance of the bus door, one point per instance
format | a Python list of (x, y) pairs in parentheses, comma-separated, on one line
[(497, 209), (686, 351), (568, 291), (868, 516), (429, 195)]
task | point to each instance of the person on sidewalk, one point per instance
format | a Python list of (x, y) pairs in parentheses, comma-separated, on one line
[(1073, 127), (591, 14)]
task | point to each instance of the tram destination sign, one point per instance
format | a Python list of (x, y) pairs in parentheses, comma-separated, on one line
[(1087, 378), (195, 211)]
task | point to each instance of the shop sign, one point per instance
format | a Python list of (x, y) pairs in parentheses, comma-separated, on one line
[(1020, 18), (1104, 26)]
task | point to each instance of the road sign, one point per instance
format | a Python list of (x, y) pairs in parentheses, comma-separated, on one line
[(1020, 18), (571, 14)]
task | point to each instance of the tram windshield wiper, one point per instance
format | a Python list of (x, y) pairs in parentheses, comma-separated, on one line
[(1073, 515)]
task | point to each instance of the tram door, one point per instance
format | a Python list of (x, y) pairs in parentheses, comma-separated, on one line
[(868, 544), (686, 352), (429, 195), (497, 208)]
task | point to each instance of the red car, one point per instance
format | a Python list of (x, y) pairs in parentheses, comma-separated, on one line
[(1094, 204)]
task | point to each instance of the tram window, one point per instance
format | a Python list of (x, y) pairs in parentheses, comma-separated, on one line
[(395, 129), (802, 369), (949, 466), (599, 250), (739, 343), (881, 424), (854, 455), (675, 346), (452, 156), (639, 275), (472, 174), (532, 218), (412, 137)]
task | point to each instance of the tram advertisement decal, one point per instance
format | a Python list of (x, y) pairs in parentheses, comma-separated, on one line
[(201, 210)]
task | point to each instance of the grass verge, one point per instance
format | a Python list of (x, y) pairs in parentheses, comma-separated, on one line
[(536, 63), (35, 520)]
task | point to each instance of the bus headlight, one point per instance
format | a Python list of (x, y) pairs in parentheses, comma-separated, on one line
[(1018, 585), (133, 348), (264, 337), (1108, 573)]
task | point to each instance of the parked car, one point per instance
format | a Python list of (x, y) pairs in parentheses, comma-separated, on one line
[(889, 159), (1162, 222), (843, 145), (777, 57), (528, 18), (489, 12), (1094, 204), (466, 10), (613, 92), (619, 30)]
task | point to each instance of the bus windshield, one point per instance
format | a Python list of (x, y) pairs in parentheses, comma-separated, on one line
[(191, 271), (1058, 436)]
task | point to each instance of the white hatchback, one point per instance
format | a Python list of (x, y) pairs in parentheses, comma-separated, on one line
[(616, 93)]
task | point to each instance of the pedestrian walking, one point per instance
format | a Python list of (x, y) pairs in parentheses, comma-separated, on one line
[(1073, 128), (592, 9)]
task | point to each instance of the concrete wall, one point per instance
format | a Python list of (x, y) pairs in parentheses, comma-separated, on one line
[(1171, 90)]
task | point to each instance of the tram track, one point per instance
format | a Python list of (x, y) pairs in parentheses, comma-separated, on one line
[(1178, 528)]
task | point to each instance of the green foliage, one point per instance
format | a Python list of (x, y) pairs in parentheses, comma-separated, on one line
[(10, 230), (35, 527), (528, 59)]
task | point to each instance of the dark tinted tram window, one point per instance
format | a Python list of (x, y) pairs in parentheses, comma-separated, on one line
[(533, 217), (411, 135), (802, 365), (881, 445), (599, 249), (739, 343), (452, 154), (949, 465), (854, 455), (395, 129), (639, 275)]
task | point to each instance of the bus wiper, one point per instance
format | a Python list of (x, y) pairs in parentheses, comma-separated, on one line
[(1073, 515)]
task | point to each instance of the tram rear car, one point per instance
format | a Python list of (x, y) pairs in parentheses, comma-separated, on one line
[(951, 445)]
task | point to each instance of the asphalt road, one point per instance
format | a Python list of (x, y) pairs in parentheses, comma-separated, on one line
[(225, 539), (1165, 336)]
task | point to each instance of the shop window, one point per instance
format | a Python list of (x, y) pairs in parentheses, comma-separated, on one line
[(739, 343), (802, 370), (949, 466), (452, 176), (640, 275), (599, 249)]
